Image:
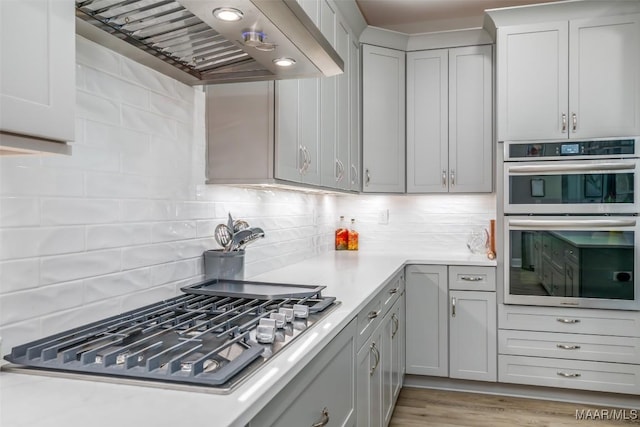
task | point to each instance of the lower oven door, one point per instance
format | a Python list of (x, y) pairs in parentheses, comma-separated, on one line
[(578, 261), (575, 187)]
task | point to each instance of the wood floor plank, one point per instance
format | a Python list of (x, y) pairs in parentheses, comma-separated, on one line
[(426, 407)]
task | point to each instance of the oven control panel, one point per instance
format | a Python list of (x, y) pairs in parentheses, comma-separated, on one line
[(596, 148)]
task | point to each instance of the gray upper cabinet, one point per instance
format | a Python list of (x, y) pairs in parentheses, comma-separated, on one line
[(383, 120), (37, 88), (449, 120), (569, 79), (301, 132)]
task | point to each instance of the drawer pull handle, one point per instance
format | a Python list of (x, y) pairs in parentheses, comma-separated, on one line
[(325, 419), (563, 320), (394, 291), (373, 314), (568, 347), (471, 278), (568, 374), (376, 353)]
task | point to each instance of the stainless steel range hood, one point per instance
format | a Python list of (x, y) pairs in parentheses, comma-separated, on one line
[(183, 38)]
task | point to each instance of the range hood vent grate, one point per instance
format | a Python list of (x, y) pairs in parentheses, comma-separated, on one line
[(182, 39)]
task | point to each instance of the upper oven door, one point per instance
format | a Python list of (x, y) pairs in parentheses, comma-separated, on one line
[(603, 186)]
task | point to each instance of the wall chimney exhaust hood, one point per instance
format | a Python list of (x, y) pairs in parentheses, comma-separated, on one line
[(190, 41)]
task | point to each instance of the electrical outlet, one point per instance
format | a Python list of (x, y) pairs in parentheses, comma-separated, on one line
[(383, 217)]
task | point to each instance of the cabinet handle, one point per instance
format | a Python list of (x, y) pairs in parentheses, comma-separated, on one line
[(354, 175), (564, 122), (373, 314), (568, 374), (568, 347), (303, 160), (453, 177), (574, 122), (396, 323), (308, 156), (444, 178), (339, 170), (376, 353), (471, 278), (394, 291), (453, 306), (570, 272), (324, 420), (563, 320), (367, 177)]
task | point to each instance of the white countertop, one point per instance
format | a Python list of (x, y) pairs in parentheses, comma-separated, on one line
[(352, 277)]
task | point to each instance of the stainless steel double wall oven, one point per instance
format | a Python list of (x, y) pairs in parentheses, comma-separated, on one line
[(570, 224)]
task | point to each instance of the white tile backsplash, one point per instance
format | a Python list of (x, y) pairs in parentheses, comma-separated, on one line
[(123, 221)]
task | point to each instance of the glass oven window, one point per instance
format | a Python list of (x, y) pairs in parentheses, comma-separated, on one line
[(571, 189), (585, 264)]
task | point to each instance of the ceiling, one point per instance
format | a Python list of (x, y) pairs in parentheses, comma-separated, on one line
[(425, 16)]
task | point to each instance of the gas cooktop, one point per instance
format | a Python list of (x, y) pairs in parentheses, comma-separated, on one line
[(215, 335)]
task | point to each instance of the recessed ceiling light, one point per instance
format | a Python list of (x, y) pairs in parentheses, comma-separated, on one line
[(228, 14), (284, 62)]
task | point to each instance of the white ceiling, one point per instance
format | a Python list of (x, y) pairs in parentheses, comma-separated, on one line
[(424, 16)]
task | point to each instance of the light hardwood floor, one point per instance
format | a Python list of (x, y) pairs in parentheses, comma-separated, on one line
[(424, 407)]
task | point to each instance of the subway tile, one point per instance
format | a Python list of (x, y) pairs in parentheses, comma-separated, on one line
[(79, 211), (93, 107), (148, 255), (171, 231), (148, 296), (145, 121), (19, 211), (56, 269), (115, 139), (117, 235), (33, 303), (114, 88), (17, 275), (63, 320), (114, 185), (91, 54), (148, 78), (114, 285), (179, 110), (174, 271), (15, 334), (148, 210)]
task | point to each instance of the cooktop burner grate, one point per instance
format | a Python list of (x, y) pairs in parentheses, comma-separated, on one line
[(194, 339)]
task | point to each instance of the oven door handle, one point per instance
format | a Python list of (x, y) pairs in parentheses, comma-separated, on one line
[(585, 167), (572, 223)]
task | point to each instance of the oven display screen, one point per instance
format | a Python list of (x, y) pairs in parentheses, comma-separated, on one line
[(570, 149)]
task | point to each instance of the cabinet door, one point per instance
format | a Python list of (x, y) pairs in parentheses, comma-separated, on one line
[(427, 320), (328, 114), (290, 156), (393, 328), (604, 79), (532, 75), (342, 146), (427, 121), (470, 119), (37, 71), (472, 335), (383, 119), (354, 111), (369, 382)]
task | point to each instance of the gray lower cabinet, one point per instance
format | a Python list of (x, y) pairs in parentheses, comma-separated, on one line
[(451, 322), (380, 360), (325, 389), (576, 348)]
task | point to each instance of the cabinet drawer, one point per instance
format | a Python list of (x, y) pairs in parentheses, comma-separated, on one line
[(368, 320), (572, 320), (471, 278), (392, 292), (302, 401), (575, 374), (596, 348)]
